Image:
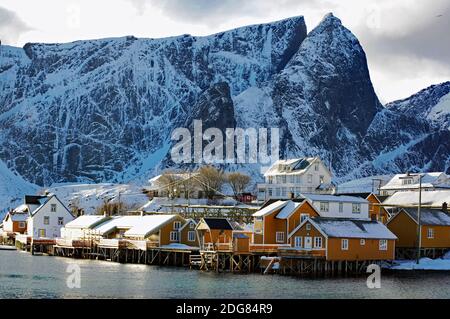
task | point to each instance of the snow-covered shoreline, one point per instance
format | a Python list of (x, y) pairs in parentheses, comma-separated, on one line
[(439, 264)]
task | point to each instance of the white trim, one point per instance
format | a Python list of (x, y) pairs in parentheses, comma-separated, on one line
[(345, 247), (304, 222), (282, 241)]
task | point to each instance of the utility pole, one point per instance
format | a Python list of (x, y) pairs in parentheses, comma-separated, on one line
[(419, 228)]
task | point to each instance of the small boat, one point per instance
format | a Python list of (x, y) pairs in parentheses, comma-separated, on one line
[(5, 247)]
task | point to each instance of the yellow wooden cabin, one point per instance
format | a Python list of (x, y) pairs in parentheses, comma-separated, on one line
[(215, 234), (342, 240), (274, 222), (435, 228)]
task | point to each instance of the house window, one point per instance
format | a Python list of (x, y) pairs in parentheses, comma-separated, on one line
[(270, 179), (310, 178), (42, 233), (22, 225), (298, 242), (278, 192), (283, 179), (191, 225), (291, 179), (53, 208), (322, 179), (191, 236), (303, 217), (280, 237), (298, 179), (341, 207), (383, 244), (308, 226), (430, 233), (316, 167), (317, 242), (60, 221), (176, 225), (173, 236), (344, 244), (356, 208), (270, 192), (324, 207), (362, 242), (46, 220), (283, 192)]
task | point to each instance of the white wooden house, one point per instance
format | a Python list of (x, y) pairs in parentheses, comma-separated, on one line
[(289, 178), (47, 215)]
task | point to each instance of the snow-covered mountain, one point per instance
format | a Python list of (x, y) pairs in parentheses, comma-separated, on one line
[(12, 189), (104, 110)]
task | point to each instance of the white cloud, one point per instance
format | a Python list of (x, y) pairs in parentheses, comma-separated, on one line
[(406, 41), (11, 26)]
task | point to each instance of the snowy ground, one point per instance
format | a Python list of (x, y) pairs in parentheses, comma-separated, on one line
[(91, 196), (424, 264)]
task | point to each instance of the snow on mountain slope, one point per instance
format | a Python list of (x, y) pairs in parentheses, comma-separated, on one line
[(440, 113), (13, 188), (103, 111)]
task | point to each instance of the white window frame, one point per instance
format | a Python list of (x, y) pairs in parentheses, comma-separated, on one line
[(362, 242), (191, 235), (308, 226), (191, 225), (46, 220), (430, 233), (174, 236), (318, 242), (176, 225), (279, 237), (53, 208), (60, 221), (298, 242), (22, 225), (383, 244), (344, 244), (324, 207)]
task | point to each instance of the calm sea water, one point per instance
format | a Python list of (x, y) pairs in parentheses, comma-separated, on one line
[(26, 276)]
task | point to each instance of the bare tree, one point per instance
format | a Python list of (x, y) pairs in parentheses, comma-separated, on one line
[(210, 180), (238, 182), (168, 182)]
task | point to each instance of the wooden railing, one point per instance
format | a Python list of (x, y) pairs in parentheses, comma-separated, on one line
[(269, 248)]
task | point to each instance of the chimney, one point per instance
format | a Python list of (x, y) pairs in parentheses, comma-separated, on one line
[(445, 207)]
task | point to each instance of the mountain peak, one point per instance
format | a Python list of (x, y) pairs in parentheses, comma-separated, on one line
[(330, 18)]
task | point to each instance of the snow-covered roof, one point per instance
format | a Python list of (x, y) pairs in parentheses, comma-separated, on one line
[(411, 198), (435, 179), (351, 228), (86, 221), (270, 208), (295, 166), (22, 209), (121, 222), (148, 225), (363, 185), (429, 217), (19, 217), (288, 209), (335, 198)]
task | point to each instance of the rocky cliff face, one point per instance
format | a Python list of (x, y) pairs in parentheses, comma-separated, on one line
[(104, 110)]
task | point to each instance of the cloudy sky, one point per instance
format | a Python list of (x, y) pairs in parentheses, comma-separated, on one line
[(407, 41)]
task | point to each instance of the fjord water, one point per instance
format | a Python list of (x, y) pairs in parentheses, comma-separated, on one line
[(26, 276)]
